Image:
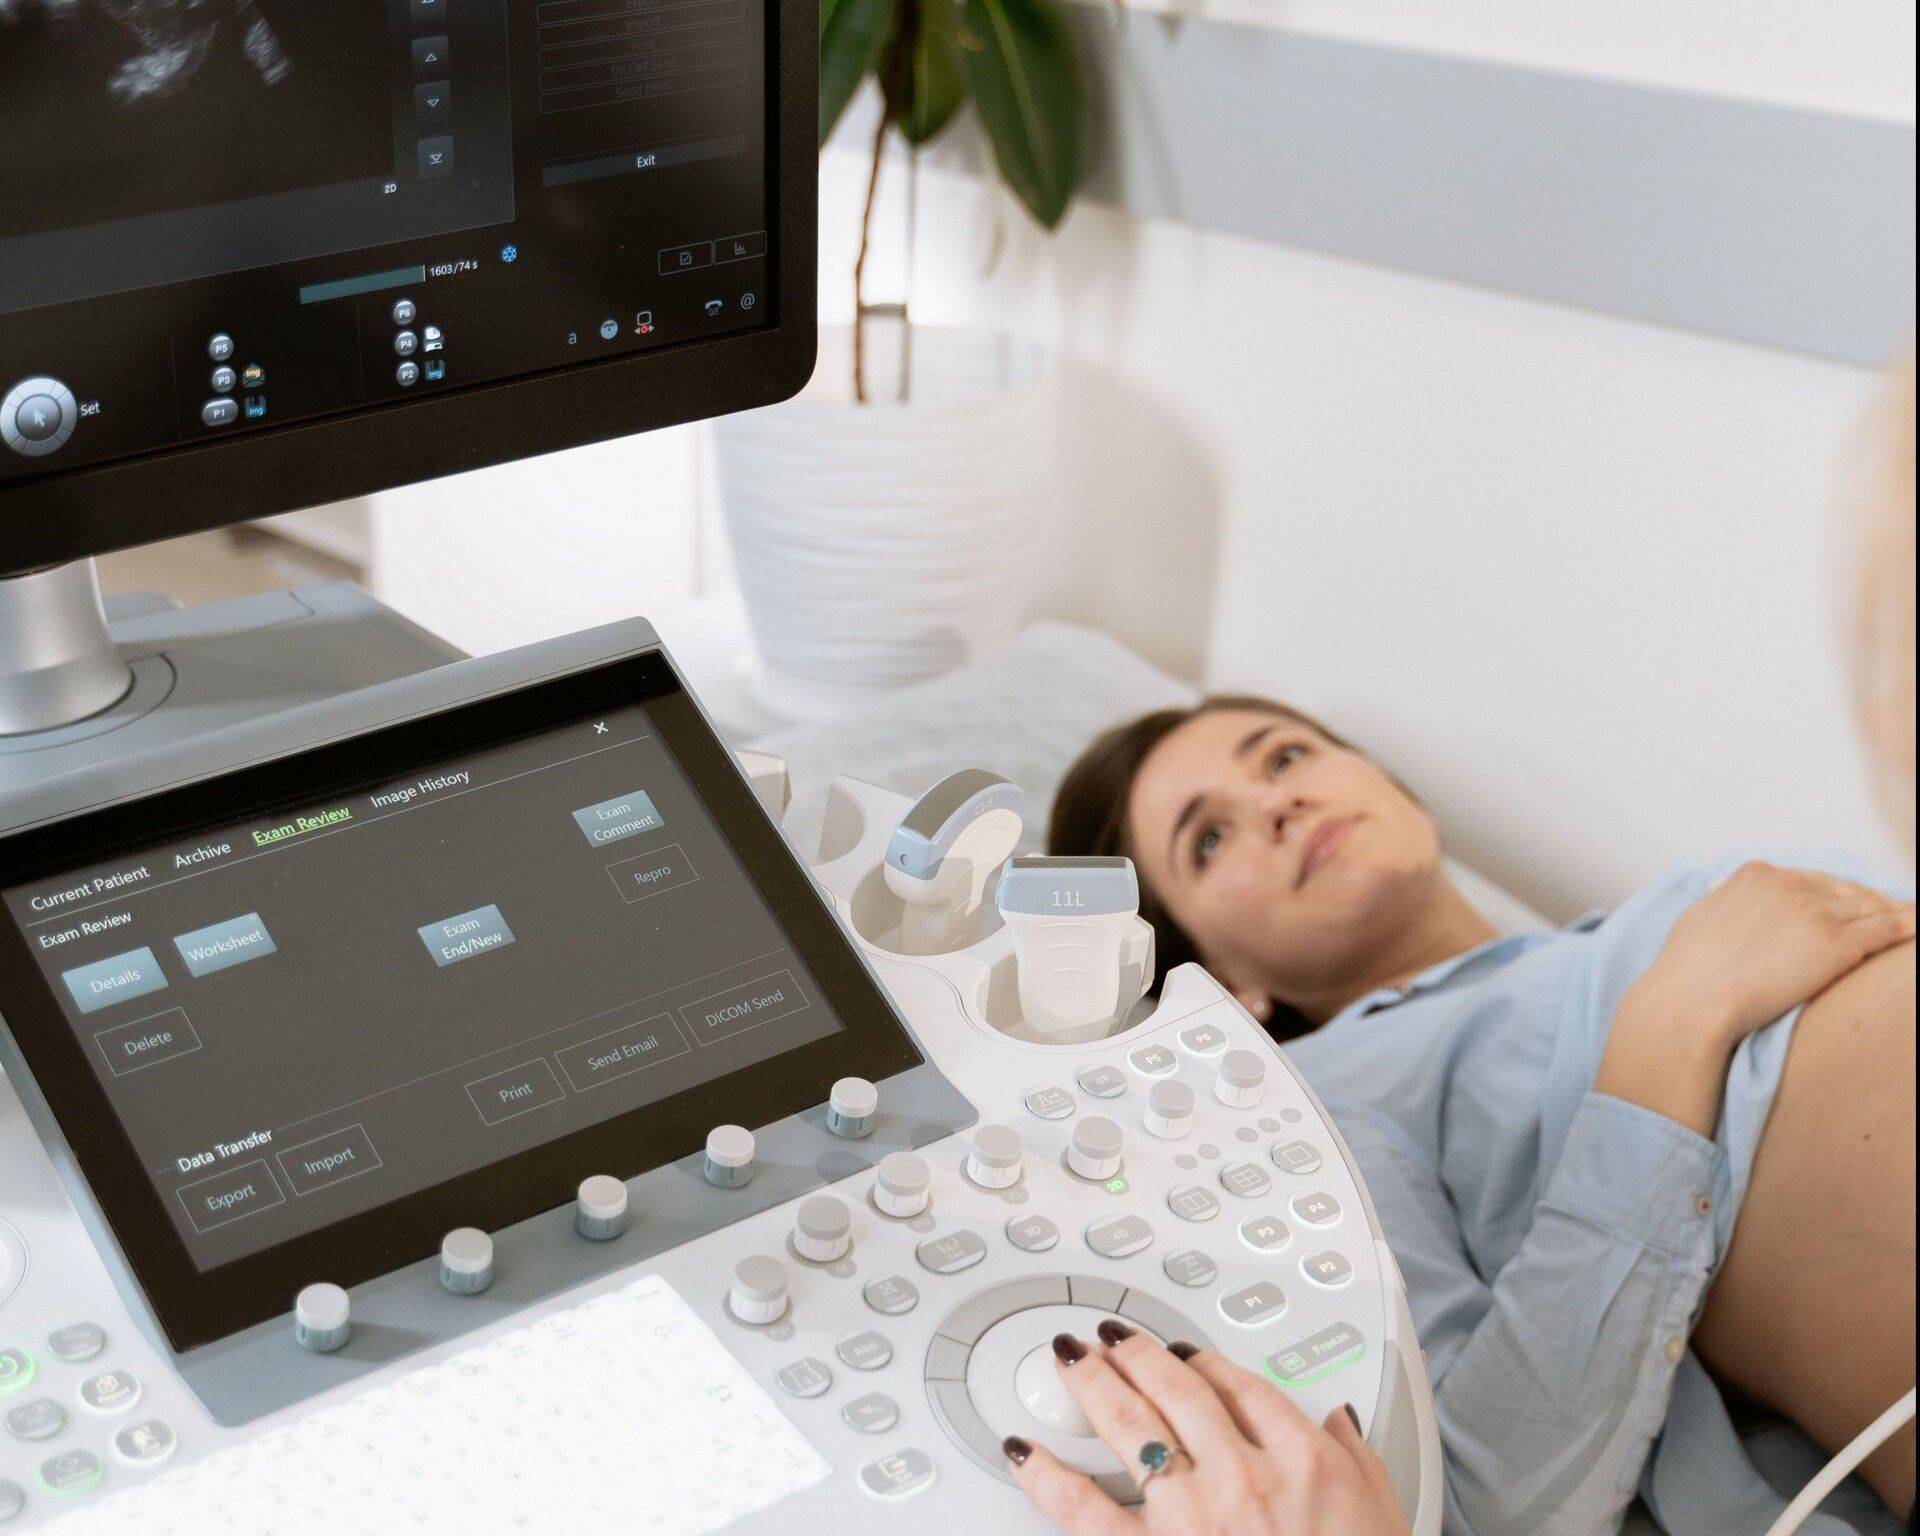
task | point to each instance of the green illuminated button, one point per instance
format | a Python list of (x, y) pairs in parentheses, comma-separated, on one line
[(71, 1472), (1316, 1357), (16, 1371)]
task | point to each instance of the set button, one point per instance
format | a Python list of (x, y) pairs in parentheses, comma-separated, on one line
[(874, 1414), (110, 1391), (1204, 1039), (40, 1419), (1153, 1060), (1192, 1269), (1193, 1202), (1318, 1209), (866, 1351), (951, 1252), (1257, 1304), (1103, 1082), (1119, 1237), (899, 1475), (1050, 1103), (893, 1296), (71, 1472), (1032, 1234), (1332, 1270), (1297, 1157)]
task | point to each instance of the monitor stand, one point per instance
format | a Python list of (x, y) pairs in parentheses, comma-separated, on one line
[(84, 681)]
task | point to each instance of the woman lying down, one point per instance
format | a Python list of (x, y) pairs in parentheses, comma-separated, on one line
[(1634, 1171)]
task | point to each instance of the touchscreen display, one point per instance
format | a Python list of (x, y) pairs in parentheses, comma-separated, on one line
[(312, 1013)]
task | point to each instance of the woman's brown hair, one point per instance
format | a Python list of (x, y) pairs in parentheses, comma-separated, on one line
[(1090, 812)]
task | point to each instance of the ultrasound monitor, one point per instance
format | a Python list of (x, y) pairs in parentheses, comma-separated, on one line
[(261, 255)]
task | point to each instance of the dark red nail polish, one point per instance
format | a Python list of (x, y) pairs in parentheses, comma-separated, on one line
[(1113, 1332), (1016, 1450), (1353, 1418), (1183, 1350), (1070, 1350)]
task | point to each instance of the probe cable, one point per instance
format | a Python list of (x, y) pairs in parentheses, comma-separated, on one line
[(1870, 1439)]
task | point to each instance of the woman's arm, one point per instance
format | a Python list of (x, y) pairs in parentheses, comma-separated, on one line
[(1552, 1382), (1756, 947)]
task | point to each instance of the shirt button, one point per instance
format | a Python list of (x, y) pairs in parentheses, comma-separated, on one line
[(1702, 1206), (1676, 1350)]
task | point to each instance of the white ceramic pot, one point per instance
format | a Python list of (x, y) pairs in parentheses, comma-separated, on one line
[(880, 544)]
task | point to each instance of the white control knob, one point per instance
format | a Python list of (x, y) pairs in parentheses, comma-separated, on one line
[(905, 1184), (994, 1162), (759, 1291), (1095, 1153), (1169, 1111), (600, 1208), (322, 1318), (466, 1261), (1243, 1076), (823, 1229), (852, 1108), (729, 1156)]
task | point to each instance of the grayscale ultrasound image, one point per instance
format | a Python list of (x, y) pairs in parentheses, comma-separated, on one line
[(147, 106)]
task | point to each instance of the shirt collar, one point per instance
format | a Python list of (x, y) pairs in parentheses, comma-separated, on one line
[(1464, 967)]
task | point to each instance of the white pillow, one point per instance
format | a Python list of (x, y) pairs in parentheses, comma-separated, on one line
[(1027, 716)]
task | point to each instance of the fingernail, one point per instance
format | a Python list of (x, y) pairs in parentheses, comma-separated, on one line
[(1016, 1450), (1183, 1350), (1113, 1332), (1354, 1419), (1070, 1350)]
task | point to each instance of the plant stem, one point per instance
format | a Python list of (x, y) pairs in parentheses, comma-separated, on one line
[(860, 264)]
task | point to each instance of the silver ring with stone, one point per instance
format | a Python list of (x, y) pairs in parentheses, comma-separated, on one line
[(1158, 1458)]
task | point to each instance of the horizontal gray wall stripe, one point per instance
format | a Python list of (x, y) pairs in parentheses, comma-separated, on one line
[(1781, 227)]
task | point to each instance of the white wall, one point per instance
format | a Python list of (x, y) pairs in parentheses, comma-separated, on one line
[(1565, 572)]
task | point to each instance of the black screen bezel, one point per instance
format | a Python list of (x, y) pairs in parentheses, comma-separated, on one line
[(195, 1306), (57, 517)]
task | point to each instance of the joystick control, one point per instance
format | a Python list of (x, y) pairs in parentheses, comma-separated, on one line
[(852, 1108), (600, 1209), (823, 1229), (1243, 1076), (1169, 1111), (1095, 1153), (729, 1156), (322, 1318), (904, 1187), (994, 1162), (758, 1295)]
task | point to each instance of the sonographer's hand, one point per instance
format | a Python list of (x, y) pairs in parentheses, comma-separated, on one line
[(1237, 1458), (1754, 948)]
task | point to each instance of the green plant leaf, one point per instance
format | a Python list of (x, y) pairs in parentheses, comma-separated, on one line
[(852, 35), (930, 87), (1026, 83)]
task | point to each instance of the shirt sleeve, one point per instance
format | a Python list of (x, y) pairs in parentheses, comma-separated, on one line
[(1552, 1382)]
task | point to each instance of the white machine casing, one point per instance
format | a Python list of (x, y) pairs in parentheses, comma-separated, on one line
[(991, 1289)]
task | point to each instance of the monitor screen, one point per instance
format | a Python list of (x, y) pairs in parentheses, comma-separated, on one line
[(454, 970), (227, 217)]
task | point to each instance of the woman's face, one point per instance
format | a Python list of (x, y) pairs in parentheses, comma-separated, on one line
[(1292, 863)]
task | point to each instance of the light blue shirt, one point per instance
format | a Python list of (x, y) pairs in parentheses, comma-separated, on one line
[(1557, 1244)]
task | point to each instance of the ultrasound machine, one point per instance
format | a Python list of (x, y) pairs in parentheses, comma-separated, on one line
[(438, 1095)]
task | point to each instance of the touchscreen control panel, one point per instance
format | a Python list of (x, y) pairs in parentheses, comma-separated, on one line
[(255, 212), (317, 1011)]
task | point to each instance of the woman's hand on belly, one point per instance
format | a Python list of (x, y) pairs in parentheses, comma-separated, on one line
[(1754, 948)]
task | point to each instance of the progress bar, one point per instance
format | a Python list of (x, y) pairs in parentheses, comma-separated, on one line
[(373, 282)]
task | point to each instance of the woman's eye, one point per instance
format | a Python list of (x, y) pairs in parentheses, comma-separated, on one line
[(1206, 845), (1284, 758)]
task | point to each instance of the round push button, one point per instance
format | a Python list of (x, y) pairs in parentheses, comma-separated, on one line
[(145, 1444), (600, 1209), (823, 1229), (852, 1107), (759, 1292), (903, 1184), (1095, 1152), (220, 348), (1169, 1111), (37, 416), (994, 1162), (729, 1156), (466, 1261), (322, 1318), (1243, 1077)]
